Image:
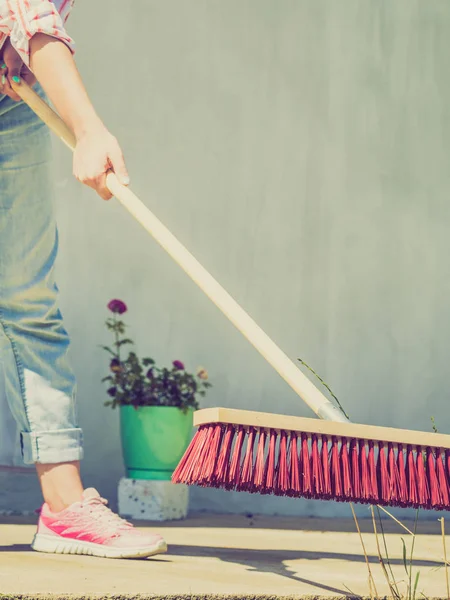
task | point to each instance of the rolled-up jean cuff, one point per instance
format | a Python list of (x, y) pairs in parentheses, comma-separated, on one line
[(52, 447)]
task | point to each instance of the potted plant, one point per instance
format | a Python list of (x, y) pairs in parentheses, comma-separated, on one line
[(156, 404)]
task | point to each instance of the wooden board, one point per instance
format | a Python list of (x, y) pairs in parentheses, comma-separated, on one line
[(329, 428)]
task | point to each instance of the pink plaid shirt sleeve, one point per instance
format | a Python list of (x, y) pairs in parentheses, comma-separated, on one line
[(21, 19)]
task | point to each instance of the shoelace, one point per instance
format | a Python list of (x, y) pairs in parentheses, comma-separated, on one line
[(104, 514)]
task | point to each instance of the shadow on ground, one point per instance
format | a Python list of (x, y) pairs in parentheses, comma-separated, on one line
[(286, 523), (263, 561)]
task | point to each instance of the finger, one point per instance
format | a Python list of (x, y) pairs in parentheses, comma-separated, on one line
[(3, 80), (15, 65), (118, 164), (96, 183), (101, 188), (29, 78), (3, 72), (14, 68), (7, 89)]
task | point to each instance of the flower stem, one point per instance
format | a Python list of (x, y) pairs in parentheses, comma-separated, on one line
[(116, 335)]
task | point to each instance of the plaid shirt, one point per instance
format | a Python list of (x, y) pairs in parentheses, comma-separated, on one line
[(21, 19)]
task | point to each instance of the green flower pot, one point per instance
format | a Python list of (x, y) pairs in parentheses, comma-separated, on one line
[(154, 439)]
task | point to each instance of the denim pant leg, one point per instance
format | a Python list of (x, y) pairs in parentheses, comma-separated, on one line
[(34, 366)]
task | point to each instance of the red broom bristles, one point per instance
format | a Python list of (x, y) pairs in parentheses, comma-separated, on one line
[(296, 464), (373, 484), (211, 457), (442, 479), (258, 472), (202, 454), (189, 460), (383, 475), (282, 481), (403, 484), (411, 473), (393, 475), (336, 480), (295, 488), (347, 491), (246, 480), (269, 474), (447, 460), (316, 469), (435, 495), (326, 469), (422, 484), (223, 462), (235, 466), (356, 474), (364, 470), (305, 468)]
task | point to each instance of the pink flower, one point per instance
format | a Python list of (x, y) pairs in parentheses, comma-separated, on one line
[(178, 365), (202, 374), (117, 306)]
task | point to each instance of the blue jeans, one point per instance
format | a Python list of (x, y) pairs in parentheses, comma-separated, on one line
[(36, 380)]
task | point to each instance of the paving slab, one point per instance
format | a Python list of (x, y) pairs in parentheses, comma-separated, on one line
[(231, 556)]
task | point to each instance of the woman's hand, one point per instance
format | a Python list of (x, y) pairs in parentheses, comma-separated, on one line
[(11, 65), (96, 153)]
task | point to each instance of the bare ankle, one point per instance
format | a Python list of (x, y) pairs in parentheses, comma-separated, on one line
[(60, 484)]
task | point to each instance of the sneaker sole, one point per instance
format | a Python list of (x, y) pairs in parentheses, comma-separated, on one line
[(58, 545)]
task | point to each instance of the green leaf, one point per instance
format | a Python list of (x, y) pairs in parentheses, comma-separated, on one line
[(405, 563), (108, 378), (122, 342), (108, 350), (147, 362), (415, 584), (435, 429)]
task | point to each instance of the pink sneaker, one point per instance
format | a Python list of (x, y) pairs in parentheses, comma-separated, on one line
[(90, 527)]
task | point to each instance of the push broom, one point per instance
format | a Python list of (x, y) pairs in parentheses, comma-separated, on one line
[(330, 459)]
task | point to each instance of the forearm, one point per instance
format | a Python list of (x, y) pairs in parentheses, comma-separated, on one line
[(54, 67)]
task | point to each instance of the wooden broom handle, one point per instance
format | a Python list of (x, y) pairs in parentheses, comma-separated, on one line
[(242, 321)]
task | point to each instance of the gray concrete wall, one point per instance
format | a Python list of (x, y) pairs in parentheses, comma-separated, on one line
[(300, 150)]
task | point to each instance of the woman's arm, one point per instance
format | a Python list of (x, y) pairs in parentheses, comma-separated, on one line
[(52, 63), (36, 38), (97, 150)]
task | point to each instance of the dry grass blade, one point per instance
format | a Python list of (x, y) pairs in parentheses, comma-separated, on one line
[(411, 559), (445, 556), (394, 519), (371, 579), (392, 586), (385, 549)]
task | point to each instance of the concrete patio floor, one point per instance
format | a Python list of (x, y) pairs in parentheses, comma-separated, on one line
[(211, 555)]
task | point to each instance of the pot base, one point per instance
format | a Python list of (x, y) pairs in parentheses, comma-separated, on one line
[(152, 500), (149, 474)]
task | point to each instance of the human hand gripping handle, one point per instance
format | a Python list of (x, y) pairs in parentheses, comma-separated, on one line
[(242, 321), (85, 153), (12, 68)]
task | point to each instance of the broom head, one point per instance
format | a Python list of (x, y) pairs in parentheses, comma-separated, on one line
[(309, 458)]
